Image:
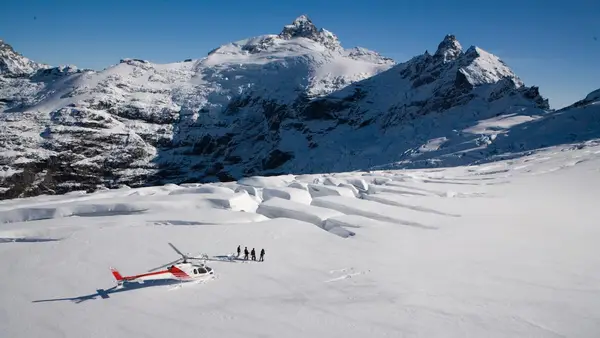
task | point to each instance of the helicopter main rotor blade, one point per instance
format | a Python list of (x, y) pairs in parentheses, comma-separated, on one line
[(201, 256), (165, 265), (220, 260), (177, 250)]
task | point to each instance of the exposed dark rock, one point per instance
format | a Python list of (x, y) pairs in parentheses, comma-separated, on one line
[(449, 49), (301, 27), (461, 82), (322, 109), (276, 158), (533, 93)]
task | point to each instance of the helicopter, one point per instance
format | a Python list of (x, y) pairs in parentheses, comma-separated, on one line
[(178, 270)]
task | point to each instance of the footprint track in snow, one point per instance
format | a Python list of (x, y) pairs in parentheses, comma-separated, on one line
[(340, 270), (345, 276)]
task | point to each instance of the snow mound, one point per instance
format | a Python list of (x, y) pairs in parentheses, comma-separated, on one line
[(375, 179), (350, 187), (317, 190), (240, 201), (299, 185), (82, 210), (359, 183), (253, 191), (271, 181), (120, 206), (292, 194), (278, 207)]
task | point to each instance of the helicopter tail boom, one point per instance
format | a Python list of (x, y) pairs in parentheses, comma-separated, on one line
[(169, 273)]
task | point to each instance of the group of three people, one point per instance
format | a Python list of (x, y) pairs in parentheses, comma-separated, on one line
[(252, 253)]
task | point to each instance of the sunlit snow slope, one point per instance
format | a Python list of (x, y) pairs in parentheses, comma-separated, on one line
[(508, 249)]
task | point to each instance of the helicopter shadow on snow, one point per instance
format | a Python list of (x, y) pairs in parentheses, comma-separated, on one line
[(230, 258), (104, 293), (27, 240)]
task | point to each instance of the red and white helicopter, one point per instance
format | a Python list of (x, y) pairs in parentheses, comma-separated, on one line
[(177, 270)]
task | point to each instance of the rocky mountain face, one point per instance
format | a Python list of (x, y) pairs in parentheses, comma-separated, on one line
[(13, 64), (292, 102)]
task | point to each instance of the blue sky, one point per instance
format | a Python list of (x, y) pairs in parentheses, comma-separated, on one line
[(551, 44)]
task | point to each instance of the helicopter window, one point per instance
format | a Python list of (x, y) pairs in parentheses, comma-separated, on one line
[(195, 271), (208, 269), (201, 270)]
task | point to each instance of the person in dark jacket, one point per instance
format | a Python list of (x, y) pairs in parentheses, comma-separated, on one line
[(253, 254), (239, 250), (246, 253), (262, 255)]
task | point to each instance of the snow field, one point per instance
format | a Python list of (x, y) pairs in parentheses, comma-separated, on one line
[(503, 260)]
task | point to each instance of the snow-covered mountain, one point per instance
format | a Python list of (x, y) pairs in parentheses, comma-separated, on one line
[(64, 128), (292, 102), (13, 64)]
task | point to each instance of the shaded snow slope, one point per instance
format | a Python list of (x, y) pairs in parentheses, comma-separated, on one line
[(513, 253), (294, 102)]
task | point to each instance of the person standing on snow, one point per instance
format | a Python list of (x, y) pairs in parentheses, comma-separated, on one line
[(246, 253), (239, 250), (253, 253), (262, 255)]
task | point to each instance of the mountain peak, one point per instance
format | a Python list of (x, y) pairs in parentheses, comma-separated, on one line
[(302, 19), (15, 64), (5, 46), (303, 27), (449, 49)]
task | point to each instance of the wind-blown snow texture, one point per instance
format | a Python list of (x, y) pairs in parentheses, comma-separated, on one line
[(295, 102), (507, 249)]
